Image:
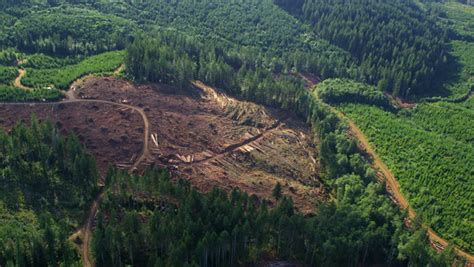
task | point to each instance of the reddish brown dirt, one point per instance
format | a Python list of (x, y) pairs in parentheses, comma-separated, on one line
[(399, 102), (112, 134), (200, 134), (310, 80), (214, 140)]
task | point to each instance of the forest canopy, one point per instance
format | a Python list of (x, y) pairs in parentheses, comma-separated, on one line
[(47, 183), (63, 31), (185, 227), (396, 44)]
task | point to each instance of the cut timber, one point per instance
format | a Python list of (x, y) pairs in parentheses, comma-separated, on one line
[(246, 148), (207, 153), (132, 159), (249, 135), (154, 138), (187, 159), (123, 166), (211, 94), (231, 165), (257, 147)]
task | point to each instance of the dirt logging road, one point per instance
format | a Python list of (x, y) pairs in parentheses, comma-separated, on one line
[(17, 82), (385, 175), (394, 188), (86, 229), (70, 98)]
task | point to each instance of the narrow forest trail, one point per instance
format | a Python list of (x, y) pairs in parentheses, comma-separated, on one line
[(87, 231), (394, 187), (17, 83), (119, 70)]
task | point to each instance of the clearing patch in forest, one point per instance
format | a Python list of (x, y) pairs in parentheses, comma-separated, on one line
[(215, 140), (112, 134)]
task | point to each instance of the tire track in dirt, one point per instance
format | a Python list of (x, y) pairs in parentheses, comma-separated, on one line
[(436, 240), (119, 70)]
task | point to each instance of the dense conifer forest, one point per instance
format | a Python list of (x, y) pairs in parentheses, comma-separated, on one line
[(399, 47), (47, 182), (150, 220)]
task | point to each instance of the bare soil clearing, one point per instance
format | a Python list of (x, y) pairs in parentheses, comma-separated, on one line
[(86, 230), (215, 140), (111, 133), (200, 134)]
